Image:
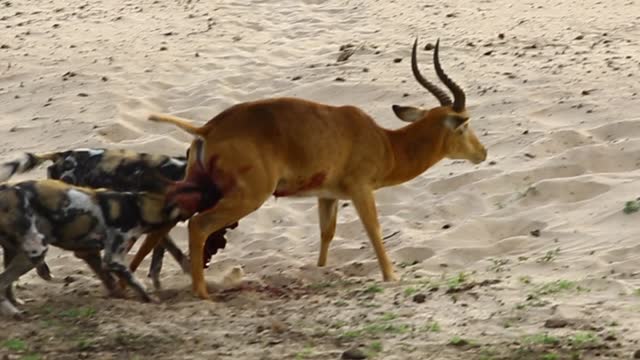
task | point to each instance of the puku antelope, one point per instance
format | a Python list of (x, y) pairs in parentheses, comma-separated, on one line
[(295, 147)]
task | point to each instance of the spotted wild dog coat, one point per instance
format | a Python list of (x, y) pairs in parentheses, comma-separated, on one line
[(119, 170), (37, 214)]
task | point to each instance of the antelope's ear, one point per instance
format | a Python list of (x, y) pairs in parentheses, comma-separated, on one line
[(454, 122), (408, 113)]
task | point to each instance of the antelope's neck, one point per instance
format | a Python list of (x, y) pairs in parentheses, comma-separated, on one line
[(416, 147)]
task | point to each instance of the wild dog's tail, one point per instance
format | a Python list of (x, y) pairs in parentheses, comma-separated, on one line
[(179, 122), (27, 162)]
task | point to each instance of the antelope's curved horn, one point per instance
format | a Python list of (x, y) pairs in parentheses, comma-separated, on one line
[(459, 97), (433, 89)]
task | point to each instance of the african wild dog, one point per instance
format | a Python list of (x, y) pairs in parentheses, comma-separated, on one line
[(34, 214), (118, 170)]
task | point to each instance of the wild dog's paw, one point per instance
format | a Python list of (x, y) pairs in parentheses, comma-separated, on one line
[(155, 279), (186, 265), (9, 310)]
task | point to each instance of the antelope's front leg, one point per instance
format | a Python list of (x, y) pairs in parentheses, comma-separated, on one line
[(364, 202)]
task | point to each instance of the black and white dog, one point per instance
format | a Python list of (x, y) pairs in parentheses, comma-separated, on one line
[(118, 170), (36, 214)]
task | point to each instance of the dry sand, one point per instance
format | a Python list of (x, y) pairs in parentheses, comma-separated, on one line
[(538, 228)]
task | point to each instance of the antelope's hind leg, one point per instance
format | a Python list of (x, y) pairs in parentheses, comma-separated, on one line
[(327, 214), (251, 189), (225, 212)]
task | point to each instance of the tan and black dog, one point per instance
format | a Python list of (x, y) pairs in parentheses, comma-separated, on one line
[(36, 214), (118, 170)]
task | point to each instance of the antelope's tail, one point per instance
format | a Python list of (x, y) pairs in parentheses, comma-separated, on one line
[(183, 124)]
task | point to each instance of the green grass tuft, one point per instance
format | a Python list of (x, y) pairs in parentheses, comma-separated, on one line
[(15, 345), (374, 289), (542, 338), (631, 206)]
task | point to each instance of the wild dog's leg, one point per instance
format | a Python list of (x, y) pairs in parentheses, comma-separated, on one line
[(114, 259), (156, 265), (177, 254), (153, 240), (8, 255), (156, 260), (150, 242), (327, 213), (121, 270), (92, 258), (364, 202), (20, 264)]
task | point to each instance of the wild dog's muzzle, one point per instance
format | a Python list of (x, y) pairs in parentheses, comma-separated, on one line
[(34, 243)]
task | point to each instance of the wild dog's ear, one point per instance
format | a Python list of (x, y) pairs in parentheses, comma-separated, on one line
[(408, 113)]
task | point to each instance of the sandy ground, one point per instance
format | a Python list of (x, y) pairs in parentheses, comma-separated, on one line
[(529, 255)]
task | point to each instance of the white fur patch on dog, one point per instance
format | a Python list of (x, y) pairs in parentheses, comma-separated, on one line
[(82, 201), (8, 169), (7, 308), (92, 152), (33, 243), (177, 162)]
